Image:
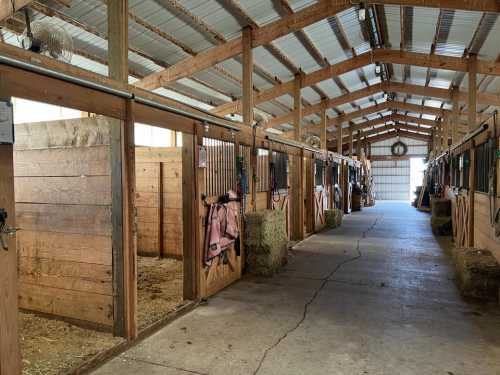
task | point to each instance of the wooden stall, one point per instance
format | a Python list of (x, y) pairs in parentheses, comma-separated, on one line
[(280, 190), (63, 207), (335, 175), (322, 188), (468, 175), (159, 201)]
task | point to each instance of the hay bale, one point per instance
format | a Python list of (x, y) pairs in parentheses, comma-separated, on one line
[(441, 207), (441, 226), (333, 218), (265, 241), (478, 273)]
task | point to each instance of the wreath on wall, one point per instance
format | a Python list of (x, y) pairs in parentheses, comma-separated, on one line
[(399, 149)]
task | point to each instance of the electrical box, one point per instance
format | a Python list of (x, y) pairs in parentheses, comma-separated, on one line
[(202, 157), (6, 123)]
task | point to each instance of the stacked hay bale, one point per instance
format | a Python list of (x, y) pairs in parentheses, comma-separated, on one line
[(265, 241), (357, 198), (333, 218), (478, 273), (441, 217)]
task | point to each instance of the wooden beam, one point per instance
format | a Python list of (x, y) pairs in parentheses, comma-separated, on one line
[(473, 5), (351, 143), (339, 139), (455, 113), (472, 110), (247, 77), (297, 108), (261, 36), (122, 182), (380, 55), (323, 124), (9, 7)]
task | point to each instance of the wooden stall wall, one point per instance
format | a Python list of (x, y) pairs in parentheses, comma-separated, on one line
[(63, 207), (159, 201), (486, 205), (308, 186)]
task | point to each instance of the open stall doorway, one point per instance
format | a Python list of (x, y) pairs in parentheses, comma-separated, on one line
[(417, 169), (63, 193), (159, 223)]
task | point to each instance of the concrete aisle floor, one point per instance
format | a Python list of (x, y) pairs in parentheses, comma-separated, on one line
[(392, 308)]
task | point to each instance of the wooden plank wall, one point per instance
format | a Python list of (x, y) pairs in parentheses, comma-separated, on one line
[(63, 206), (149, 160)]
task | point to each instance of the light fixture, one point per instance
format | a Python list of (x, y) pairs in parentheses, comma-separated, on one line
[(362, 12), (378, 69)]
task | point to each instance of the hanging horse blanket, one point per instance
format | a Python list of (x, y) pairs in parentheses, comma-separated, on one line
[(222, 227)]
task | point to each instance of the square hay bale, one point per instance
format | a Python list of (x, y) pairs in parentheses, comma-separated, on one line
[(333, 218), (478, 273), (441, 207), (265, 241), (441, 225)]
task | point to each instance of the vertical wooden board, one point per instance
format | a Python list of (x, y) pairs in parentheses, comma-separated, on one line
[(191, 178), (10, 358)]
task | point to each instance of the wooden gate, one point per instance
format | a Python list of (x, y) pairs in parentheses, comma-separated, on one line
[(320, 205), (280, 201), (460, 220), (220, 176)]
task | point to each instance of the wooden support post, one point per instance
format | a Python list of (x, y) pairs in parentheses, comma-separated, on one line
[(358, 144), (118, 39), (472, 192), (124, 226), (439, 131), (455, 95), (446, 132), (339, 139), (351, 141), (10, 357), (297, 107), (161, 240), (122, 182), (247, 102), (472, 110), (323, 129), (191, 214), (247, 76), (297, 201)]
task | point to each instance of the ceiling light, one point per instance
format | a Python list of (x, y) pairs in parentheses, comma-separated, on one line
[(378, 69)]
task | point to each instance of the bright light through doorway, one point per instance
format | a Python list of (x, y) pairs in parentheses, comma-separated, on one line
[(417, 168)]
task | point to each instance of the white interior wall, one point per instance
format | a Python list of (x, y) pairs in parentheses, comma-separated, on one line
[(392, 177)]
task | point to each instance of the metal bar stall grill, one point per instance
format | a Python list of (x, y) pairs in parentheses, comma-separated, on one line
[(262, 183), (279, 172), (220, 176)]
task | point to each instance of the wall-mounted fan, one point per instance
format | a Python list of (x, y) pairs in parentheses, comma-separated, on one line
[(47, 39)]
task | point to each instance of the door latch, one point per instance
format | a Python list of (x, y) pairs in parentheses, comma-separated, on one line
[(5, 230)]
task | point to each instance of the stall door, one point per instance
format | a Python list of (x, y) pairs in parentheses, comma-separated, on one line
[(9, 343), (280, 201)]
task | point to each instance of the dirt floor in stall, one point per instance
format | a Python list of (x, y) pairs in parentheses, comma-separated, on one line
[(53, 347), (159, 288)]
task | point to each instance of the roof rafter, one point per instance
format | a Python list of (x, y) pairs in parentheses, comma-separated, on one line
[(379, 55), (261, 36), (474, 5)]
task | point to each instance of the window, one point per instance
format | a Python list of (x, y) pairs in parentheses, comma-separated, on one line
[(279, 178), (455, 171), (335, 173), (319, 171), (352, 174), (483, 163), (464, 167)]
